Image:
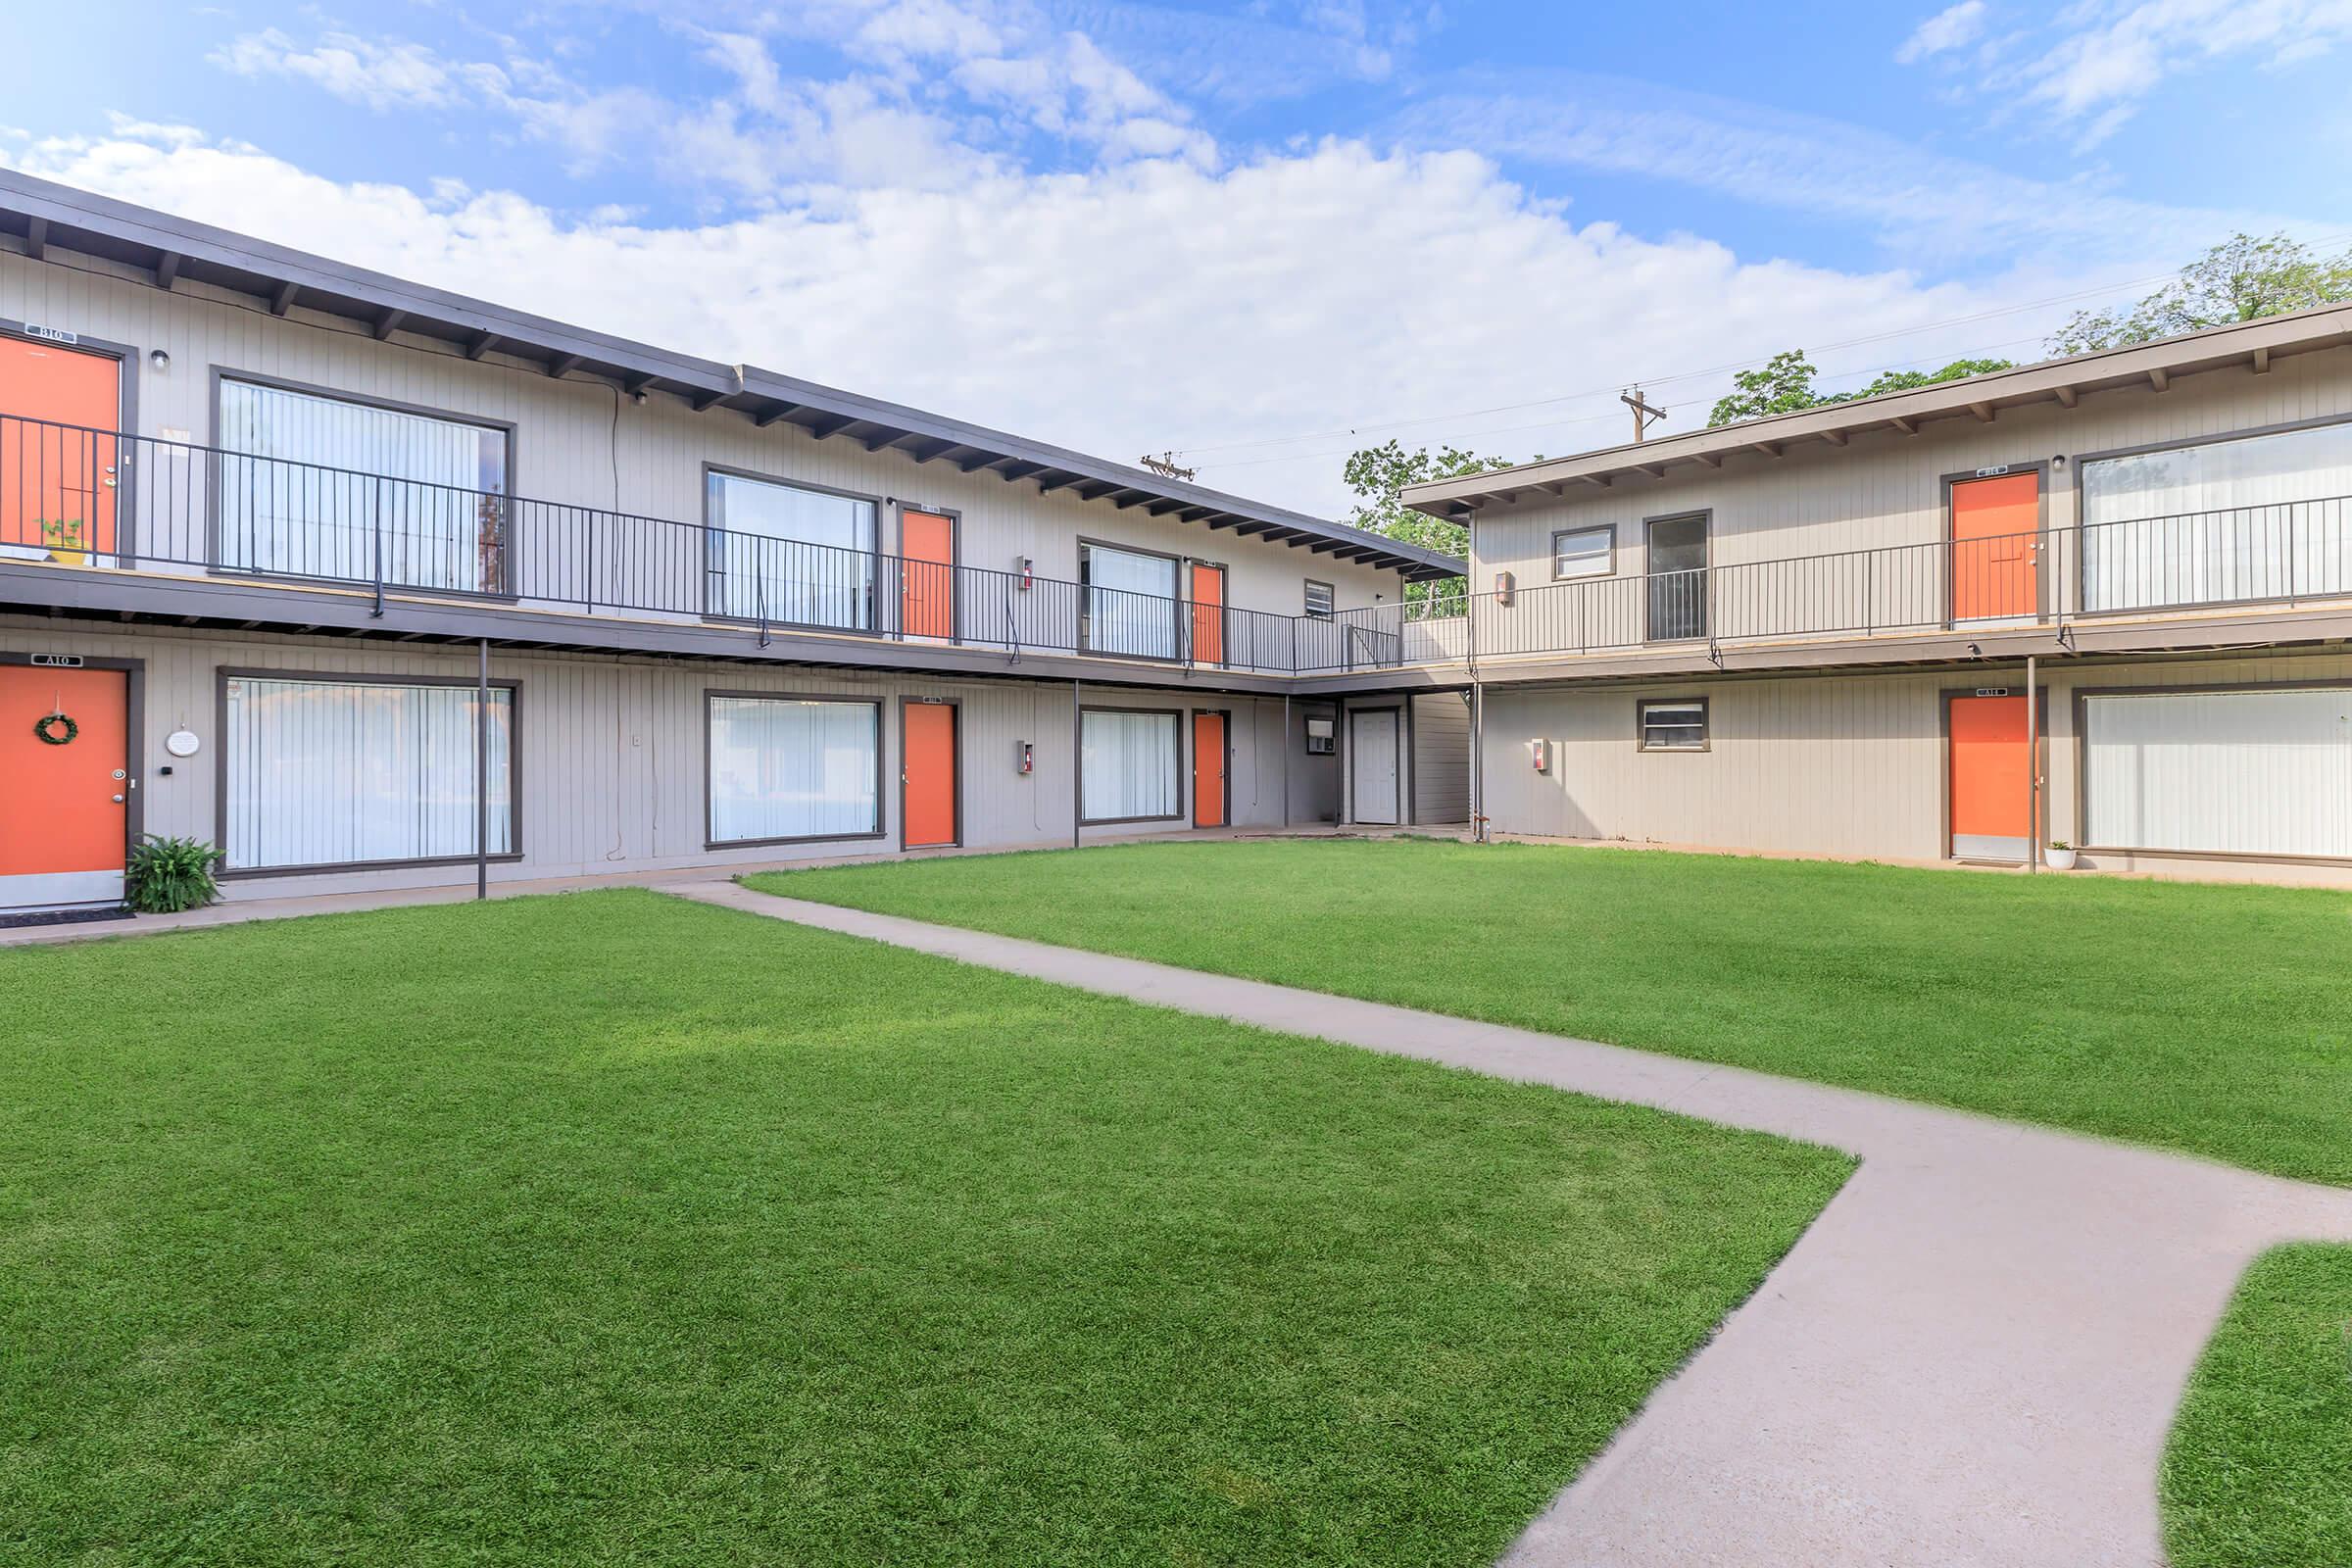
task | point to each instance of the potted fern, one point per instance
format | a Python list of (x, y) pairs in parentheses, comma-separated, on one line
[(166, 875), (2060, 856)]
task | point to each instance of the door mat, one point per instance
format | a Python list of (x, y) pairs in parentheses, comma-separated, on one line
[(14, 922)]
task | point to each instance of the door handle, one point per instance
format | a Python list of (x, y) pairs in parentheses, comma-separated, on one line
[(118, 799)]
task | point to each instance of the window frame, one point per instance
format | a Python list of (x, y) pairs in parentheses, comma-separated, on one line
[(1329, 611), (226, 673), (1179, 604), (1175, 718), (1608, 559), (714, 533), (1706, 725), (506, 593), (712, 695)]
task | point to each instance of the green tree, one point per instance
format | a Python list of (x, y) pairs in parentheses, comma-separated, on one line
[(1783, 384), (1378, 474), (2240, 279)]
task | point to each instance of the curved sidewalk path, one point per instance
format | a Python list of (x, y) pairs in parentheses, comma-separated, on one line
[(1972, 1357)]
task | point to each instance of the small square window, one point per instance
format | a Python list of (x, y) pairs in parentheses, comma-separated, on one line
[(1319, 599), (1584, 553), (1674, 726)]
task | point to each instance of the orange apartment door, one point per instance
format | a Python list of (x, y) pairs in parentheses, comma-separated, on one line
[(1208, 614), (1991, 782), (927, 539), (1209, 771), (927, 774), (57, 476), (1996, 540), (65, 824)]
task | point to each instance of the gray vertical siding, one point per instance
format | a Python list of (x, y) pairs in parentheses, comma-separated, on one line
[(1846, 764), (1441, 757), (611, 748), (583, 443)]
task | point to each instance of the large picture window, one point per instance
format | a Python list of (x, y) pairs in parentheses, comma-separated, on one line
[(2261, 516), (324, 772), (328, 487), (788, 554), (1129, 766), (792, 767), (1130, 602), (2263, 771)]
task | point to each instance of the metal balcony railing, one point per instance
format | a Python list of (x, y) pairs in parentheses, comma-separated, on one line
[(81, 496)]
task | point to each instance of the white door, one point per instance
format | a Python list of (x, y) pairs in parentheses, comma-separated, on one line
[(1372, 763)]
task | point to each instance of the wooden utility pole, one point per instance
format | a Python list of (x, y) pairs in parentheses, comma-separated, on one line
[(1645, 413)]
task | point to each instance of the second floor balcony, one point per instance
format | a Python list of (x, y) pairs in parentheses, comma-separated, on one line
[(99, 500)]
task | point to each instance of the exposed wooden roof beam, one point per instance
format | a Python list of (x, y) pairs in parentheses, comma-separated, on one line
[(2262, 361), (562, 365), (1018, 468), (1097, 489), (1057, 480), (389, 322), (636, 385), (2160, 378), (699, 400), (1162, 506), (1194, 512), (938, 452), (167, 268), (481, 344), (1657, 471), (1770, 449), (885, 437), (36, 237), (1133, 498), (2065, 396), (1907, 426), (284, 300), (826, 428), (1982, 412), (1600, 480), (1713, 460), (1836, 438), (772, 413), (979, 460)]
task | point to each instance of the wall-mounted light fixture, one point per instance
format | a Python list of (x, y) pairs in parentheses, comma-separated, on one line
[(159, 359)]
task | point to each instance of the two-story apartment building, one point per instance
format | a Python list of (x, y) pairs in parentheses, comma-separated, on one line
[(1833, 631), (375, 586)]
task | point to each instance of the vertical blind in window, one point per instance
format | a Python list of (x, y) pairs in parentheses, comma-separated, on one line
[(353, 487), (324, 772), (781, 553), (1130, 603), (2261, 516), (1128, 766), (793, 769), (2227, 772)]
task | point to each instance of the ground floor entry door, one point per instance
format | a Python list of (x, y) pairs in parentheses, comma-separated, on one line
[(1373, 765), (1992, 805), (1209, 772), (927, 774), (64, 737)]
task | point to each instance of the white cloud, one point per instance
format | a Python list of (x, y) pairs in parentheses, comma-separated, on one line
[(1927, 207), (1125, 308), (381, 76), (2095, 63), (1953, 27)]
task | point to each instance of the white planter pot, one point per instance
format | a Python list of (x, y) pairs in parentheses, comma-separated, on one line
[(2059, 859)]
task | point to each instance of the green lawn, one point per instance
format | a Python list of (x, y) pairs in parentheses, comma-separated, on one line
[(2211, 1018), (2260, 1467), (613, 1229)]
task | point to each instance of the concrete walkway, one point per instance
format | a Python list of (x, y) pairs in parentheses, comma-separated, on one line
[(1973, 1356)]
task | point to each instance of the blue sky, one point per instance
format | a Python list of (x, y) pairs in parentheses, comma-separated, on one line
[(1258, 234)]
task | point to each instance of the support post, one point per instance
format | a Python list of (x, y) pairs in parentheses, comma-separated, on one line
[(1478, 763), (2032, 770), (1077, 763), (482, 772), (1286, 759)]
